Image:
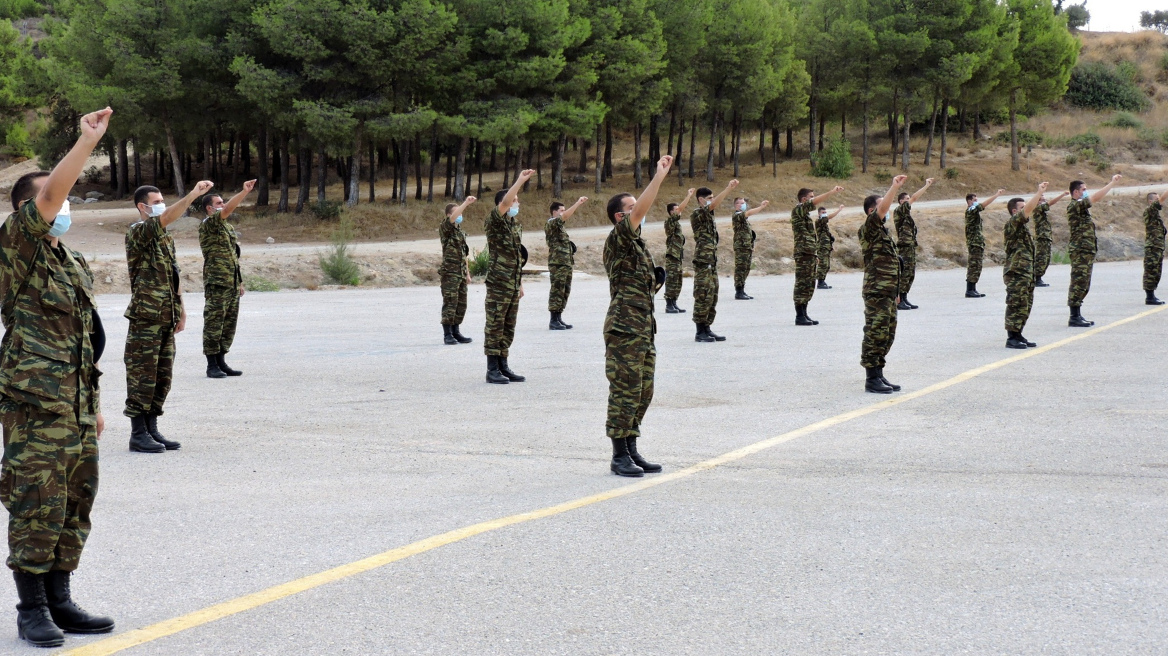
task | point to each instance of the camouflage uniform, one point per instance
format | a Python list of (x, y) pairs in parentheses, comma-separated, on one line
[(630, 357), (1153, 247), (453, 272), (674, 253), (1042, 239), (504, 277), (222, 281), (1018, 273), (1082, 249), (705, 264), (806, 243), (906, 245), (881, 285), (560, 261), (154, 311), (49, 399), (975, 241), (826, 246), (743, 248)]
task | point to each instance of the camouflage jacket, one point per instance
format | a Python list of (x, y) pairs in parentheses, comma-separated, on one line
[(46, 356), (881, 263), (705, 231), (974, 237), (559, 246), (153, 269), (743, 235), (1082, 227), (454, 250), (906, 228), (1042, 222), (504, 262), (630, 282), (674, 240), (1153, 227), (1019, 247), (803, 229), (826, 239), (220, 246)]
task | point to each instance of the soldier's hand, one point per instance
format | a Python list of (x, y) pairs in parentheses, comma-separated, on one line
[(581, 200), (840, 208), (100, 424), (733, 184), (1000, 192), (1116, 177), (182, 322), (1042, 186), (929, 181), (690, 192), (837, 189), (521, 291), (94, 124), (468, 278), (242, 290), (525, 175), (899, 180), (470, 199), (248, 186), (763, 204), (203, 187), (664, 164)]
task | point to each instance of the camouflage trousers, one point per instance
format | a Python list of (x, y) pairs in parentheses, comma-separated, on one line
[(823, 264), (502, 311), (804, 277), (705, 293), (1153, 267), (879, 329), (742, 257), (48, 482), (1041, 257), (629, 363), (149, 362), (453, 299), (220, 316), (908, 270), (672, 278), (561, 276), (1019, 300), (973, 269), (1081, 264)]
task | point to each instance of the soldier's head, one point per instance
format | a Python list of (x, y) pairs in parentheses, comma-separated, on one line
[(903, 197), (1152, 197), (1077, 189), (27, 187), (739, 204), (822, 212), (704, 195), (212, 203), (804, 195), (671, 208), (499, 195), (149, 202), (450, 208), (1014, 205), (870, 203), (620, 207), (970, 199), (557, 209)]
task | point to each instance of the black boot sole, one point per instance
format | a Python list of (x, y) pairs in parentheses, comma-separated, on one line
[(554, 326), (1016, 345), (55, 642), (974, 295), (1080, 324), (1155, 302), (878, 391), (628, 474), (141, 450), (449, 341), (216, 374), (650, 468), (497, 381)]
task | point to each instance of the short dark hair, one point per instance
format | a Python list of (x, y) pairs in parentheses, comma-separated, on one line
[(702, 192), (23, 189), (450, 206), (556, 205), (499, 196), (802, 194), (738, 198), (1152, 195), (670, 207), (870, 203), (902, 196), (1014, 203), (208, 199), (969, 197), (616, 206), (1076, 185), (143, 192)]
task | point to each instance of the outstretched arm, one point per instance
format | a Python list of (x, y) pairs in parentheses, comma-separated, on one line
[(920, 192), (1163, 196), (64, 175), (230, 206), (722, 196), (175, 211), (762, 206), (467, 202), (835, 213), (825, 195), (572, 210), (1028, 209), (1098, 196), (645, 202), (890, 197), (986, 204), (1058, 198), (688, 197), (513, 192)]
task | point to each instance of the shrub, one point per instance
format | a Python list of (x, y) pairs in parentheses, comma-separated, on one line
[(18, 9), (882, 175), (1100, 86), (834, 161), (479, 261), (1123, 120), (259, 284), (328, 210), (16, 141), (1129, 71), (1059, 257), (1072, 159), (1164, 139), (1084, 141), (1096, 159), (337, 263), (951, 173), (92, 175), (1025, 138)]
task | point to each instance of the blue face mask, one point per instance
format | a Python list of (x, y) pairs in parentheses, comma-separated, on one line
[(156, 209), (513, 211), (62, 222), (458, 219)]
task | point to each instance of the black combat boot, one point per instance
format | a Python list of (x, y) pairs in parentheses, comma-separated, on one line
[(822, 284), (224, 368), (622, 462), (493, 373), (1029, 344), (904, 299), (1151, 299), (506, 371), (213, 370), (671, 308), (554, 323), (971, 291), (741, 295), (801, 318), (875, 383), (903, 304), (716, 336), (649, 467), (152, 428), (34, 624), (68, 616), (462, 339), (1041, 283), (1077, 320), (703, 334), (448, 336), (1014, 340), (140, 438), (895, 388)]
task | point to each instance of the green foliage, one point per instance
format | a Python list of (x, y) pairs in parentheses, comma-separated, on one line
[(1059, 257), (951, 173), (1095, 158), (254, 283), (337, 263), (1163, 62), (16, 141), (479, 261), (1155, 20), (1123, 120), (1164, 139), (1084, 141), (1025, 138), (1071, 159), (1077, 16), (17, 9), (882, 175), (834, 161), (1100, 86), (328, 210)]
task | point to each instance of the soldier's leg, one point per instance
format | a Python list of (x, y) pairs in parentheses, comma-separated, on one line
[(33, 485), (714, 284), (648, 371), (1153, 268), (741, 267), (672, 278), (214, 314), (909, 273), (165, 369), (625, 367), (702, 293), (1015, 303), (493, 331), (460, 302), (1081, 265), (143, 348), (81, 477), (973, 269), (889, 315), (1041, 258), (230, 320), (870, 356), (804, 278), (511, 314), (822, 265), (450, 299), (557, 295)]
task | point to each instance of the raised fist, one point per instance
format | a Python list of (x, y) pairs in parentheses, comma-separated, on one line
[(94, 124), (664, 164), (248, 186), (204, 186), (470, 199), (733, 184)]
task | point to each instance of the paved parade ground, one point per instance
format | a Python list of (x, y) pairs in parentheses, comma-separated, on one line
[(1004, 502)]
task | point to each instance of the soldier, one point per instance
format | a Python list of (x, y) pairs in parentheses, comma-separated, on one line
[(744, 239), (1082, 247), (454, 272), (806, 245), (705, 261), (504, 280), (906, 242), (975, 241), (881, 289), (49, 398), (826, 245), (674, 253), (156, 314), (560, 260), (1018, 272), (222, 280), (1153, 247), (1042, 238), (629, 354)]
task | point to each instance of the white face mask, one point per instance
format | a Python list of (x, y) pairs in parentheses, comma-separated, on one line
[(62, 222), (155, 210)]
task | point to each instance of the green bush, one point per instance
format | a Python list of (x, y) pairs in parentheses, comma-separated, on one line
[(1072, 159), (1123, 120), (1084, 141), (1100, 86), (951, 173), (17, 9), (882, 175), (1164, 139), (1164, 62), (337, 263), (1025, 138), (1096, 159), (1059, 257), (16, 141), (259, 284), (479, 261), (834, 161), (328, 210)]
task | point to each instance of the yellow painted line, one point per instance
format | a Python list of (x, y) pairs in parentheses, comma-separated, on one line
[(219, 611)]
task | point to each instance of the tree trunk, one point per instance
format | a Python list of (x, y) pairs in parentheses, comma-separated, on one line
[(304, 169), (137, 166), (811, 118), (355, 167), (1015, 163), (583, 148), (672, 130), (822, 121), (932, 131), (844, 124), (321, 176), (864, 160), (790, 153), (416, 153), (111, 151), (637, 156), (245, 154), (721, 142), (373, 171), (479, 166), (693, 139), (518, 159), (395, 159), (539, 165), (607, 151), (263, 178), (492, 166), (893, 128), (961, 120), (944, 130), (179, 190), (680, 153), (506, 169), (907, 124), (558, 167), (599, 160), (123, 169), (736, 142), (654, 141), (762, 143), (433, 163), (460, 170), (284, 171), (775, 152), (404, 170), (345, 173), (710, 150), (527, 162), (976, 123), (449, 173)]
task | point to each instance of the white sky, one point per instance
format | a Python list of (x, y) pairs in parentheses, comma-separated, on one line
[(1116, 15)]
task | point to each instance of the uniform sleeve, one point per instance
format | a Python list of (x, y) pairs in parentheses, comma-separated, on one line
[(1086, 202), (19, 239)]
